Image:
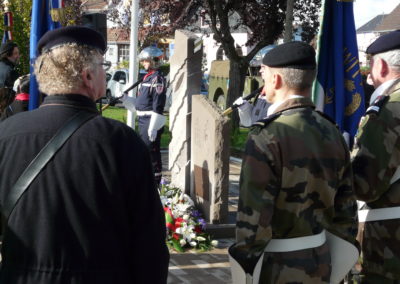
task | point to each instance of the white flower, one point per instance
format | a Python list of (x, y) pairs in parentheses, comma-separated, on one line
[(181, 207), (186, 232), (187, 199), (201, 239), (193, 244), (182, 242), (185, 217), (214, 243)]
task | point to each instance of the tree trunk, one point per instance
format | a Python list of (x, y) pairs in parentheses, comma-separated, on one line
[(237, 75), (289, 21)]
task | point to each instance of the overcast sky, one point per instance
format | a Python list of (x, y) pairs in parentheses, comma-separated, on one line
[(366, 10)]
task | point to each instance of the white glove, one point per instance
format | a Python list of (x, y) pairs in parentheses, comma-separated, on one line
[(241, 103), (128, 102), (16, 84), (152, 134), (156, 122), (244, 109)]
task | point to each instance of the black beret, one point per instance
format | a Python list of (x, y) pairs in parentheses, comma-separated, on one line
[(385, 43), (72, 34), (6, 47), (294, 54)]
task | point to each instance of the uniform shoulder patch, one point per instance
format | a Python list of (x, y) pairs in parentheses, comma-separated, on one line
[(159, 84), (376, 106), (264, 122)]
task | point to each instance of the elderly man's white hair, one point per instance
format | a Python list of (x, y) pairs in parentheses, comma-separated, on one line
[(392, 58)]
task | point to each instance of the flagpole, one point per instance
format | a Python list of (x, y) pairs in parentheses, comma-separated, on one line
[(34, 38), (133, 66)]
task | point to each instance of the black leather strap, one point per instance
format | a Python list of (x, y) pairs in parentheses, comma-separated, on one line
[(41, 160)]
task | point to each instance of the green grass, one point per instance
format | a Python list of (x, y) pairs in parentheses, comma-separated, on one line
[(116, 113), (120, 114), (238, 139)]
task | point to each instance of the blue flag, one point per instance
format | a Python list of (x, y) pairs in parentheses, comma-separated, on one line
[(338, 90), (45, 15)]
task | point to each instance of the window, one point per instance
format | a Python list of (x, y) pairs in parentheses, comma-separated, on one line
[(123, 52), (111, 51)]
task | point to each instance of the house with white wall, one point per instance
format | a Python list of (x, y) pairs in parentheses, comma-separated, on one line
[(373, 29)]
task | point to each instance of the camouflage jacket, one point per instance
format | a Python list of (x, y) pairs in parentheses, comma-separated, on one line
[(296, 180), (375, 158)]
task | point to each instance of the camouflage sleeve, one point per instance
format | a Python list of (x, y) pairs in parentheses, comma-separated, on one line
[(345, 220), (258, 188), (374, 157)]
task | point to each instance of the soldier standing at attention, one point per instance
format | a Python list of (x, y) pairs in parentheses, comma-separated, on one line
[(296, 179), (376, 161), (149, 106)]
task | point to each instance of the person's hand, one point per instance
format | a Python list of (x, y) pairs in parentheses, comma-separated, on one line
[(152, 134), (124, 97), (239, 101), (241, 104)]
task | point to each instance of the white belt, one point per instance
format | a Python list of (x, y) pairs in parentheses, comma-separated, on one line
[(152, 85), (144, 113), (293, 244), (368, 215)]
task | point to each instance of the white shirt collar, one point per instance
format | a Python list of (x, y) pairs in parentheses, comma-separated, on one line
[(275, 105), (380, 90)]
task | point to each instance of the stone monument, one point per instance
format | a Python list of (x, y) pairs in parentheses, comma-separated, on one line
[(185, 76), (210, 159)]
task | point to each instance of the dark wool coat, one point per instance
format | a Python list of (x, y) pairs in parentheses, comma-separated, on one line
[(8, 74), (93, 215)]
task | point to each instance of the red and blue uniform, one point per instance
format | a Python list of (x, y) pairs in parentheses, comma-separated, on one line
[(151, 98)]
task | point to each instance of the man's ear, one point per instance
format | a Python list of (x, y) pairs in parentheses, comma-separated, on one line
[(384, 70), (277, 81), (87, 78)]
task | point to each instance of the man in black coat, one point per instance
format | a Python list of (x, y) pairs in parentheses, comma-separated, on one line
[(93, 214), (9, 56)]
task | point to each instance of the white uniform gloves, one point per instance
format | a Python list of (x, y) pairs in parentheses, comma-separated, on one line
[(156, 122), (128, 102), (245, 109)]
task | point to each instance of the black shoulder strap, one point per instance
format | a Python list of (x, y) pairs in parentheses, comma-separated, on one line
[(41, 160), (376, 106), (264, 122)]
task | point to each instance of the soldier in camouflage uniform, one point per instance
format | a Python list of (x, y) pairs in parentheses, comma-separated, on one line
[(375, 159), (296, 177)]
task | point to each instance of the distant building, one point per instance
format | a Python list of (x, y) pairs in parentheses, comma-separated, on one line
[(376, 27), (118, 42)]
